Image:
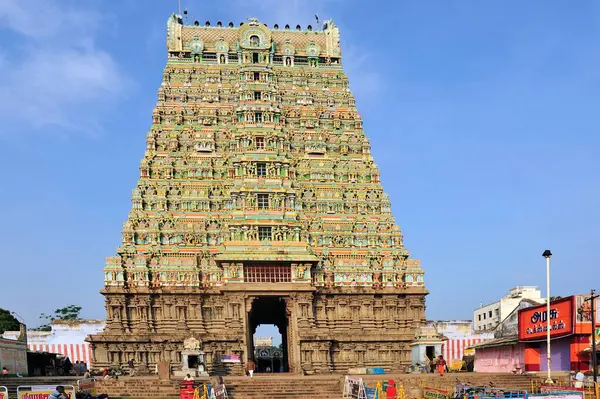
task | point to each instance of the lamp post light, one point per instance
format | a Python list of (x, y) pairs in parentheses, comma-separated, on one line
[(547, 254)]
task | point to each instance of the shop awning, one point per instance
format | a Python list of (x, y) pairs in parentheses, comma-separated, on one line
[(510, 340), (589, 349)]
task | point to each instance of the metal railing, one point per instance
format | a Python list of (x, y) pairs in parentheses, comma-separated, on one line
[(591, 389)]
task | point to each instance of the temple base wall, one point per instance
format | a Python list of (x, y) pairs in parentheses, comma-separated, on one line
[(324, 332)]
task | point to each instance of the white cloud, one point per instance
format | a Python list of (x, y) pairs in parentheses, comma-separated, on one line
[(55, 73), (365, 81), (41, 19)]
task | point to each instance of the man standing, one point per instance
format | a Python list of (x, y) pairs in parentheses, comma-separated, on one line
[(250, 366), (579, 377), (4, 372), (59, 393)]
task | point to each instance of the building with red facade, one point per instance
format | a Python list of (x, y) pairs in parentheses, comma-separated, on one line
[(520, 340)]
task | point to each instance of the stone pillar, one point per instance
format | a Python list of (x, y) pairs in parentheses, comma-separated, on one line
[(247, 336), (293, 337), (184, 361)]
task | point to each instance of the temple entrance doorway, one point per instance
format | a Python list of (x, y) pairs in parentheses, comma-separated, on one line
[(268, 349), (193, 362), (269, 352)]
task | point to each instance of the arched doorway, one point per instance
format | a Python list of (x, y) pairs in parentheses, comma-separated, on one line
[(269, 310), (268, 349)]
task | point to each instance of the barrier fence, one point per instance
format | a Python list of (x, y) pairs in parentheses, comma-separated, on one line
[(203, 391), (590, 389), (356, 388)]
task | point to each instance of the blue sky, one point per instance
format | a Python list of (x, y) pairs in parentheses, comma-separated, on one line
[(480, 115)]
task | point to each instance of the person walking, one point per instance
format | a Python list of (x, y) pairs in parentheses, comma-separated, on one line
[(441, 365), (250, 366), (4, 372), (131, 367)]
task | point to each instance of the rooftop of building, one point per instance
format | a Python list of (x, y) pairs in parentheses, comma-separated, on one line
[(186, 21), (251, 35), (513, 293), (509, 340), (76, 322)]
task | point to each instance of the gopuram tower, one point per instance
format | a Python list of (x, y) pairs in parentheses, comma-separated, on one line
[(259, 203)]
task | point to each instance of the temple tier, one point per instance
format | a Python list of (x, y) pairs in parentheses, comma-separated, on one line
[(259, 203)]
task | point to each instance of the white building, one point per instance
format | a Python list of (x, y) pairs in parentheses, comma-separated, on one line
[(487, 317), (13, 354), (458, 336), (67, 338), (263, 341)]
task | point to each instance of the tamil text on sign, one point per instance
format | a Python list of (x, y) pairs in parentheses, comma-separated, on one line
[(533, 321), (433, 393), (42, 391)]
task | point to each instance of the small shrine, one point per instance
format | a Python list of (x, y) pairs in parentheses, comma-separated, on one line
[(192, 359), (426, 346)]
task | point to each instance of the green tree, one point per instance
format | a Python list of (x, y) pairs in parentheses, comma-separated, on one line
[(70, 312), (8, 322)]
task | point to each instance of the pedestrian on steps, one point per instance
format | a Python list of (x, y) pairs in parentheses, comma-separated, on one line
[(250, 367), (441, 365)]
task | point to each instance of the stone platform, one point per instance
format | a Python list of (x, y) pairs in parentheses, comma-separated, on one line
[(277, 386)]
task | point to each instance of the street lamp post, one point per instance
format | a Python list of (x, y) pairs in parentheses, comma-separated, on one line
[(592, 300), (547, 254)]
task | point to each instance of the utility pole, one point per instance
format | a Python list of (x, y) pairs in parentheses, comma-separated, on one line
[(547, 254), (592, 300)]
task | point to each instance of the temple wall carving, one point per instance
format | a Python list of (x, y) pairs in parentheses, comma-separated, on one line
[(332, 330)]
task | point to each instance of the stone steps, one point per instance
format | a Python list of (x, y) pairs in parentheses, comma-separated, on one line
[(295, 386), (11, 383), (280, 386)]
